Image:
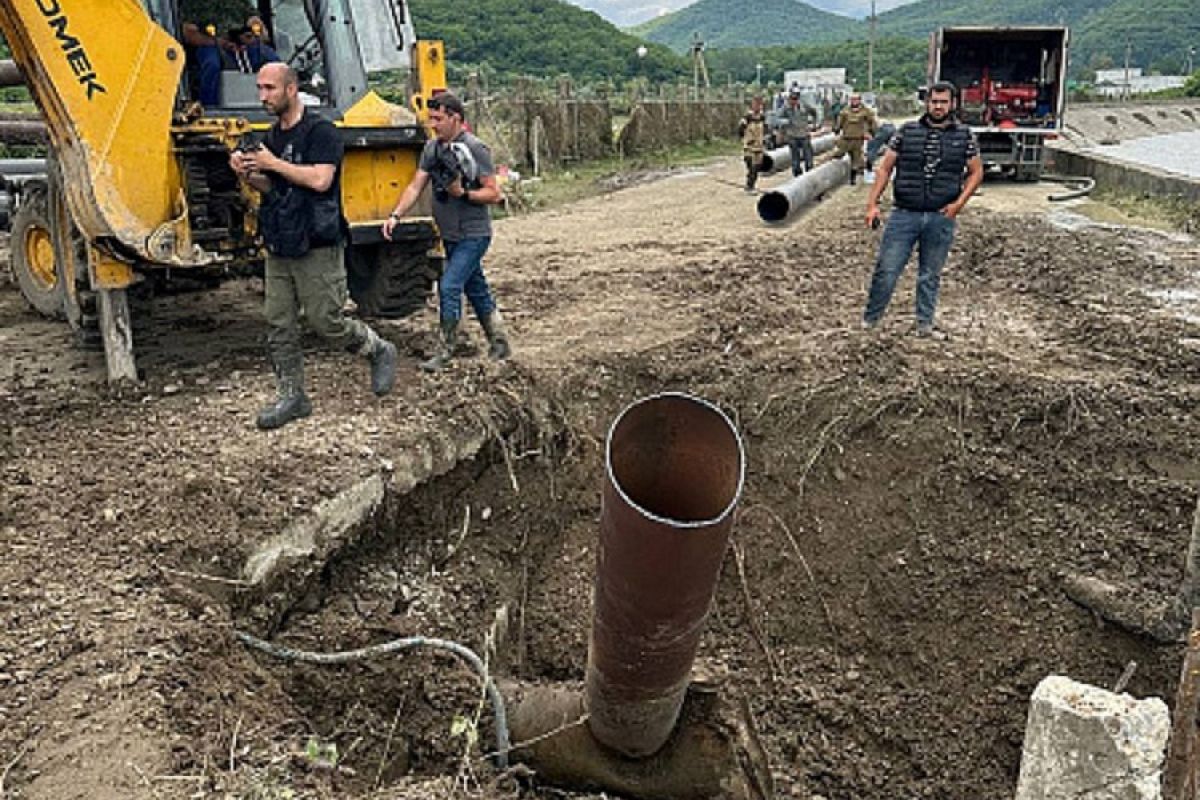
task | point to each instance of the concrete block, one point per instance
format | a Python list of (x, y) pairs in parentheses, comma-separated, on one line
[(1085, 743)]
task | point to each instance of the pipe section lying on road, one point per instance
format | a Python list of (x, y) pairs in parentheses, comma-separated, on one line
[(675, 468), (10, 74), (786, 199), (781, 157)]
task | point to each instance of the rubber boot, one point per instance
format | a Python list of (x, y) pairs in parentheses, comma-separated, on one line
[(493, 326), (382, 355), (292, 402), (444, 354)]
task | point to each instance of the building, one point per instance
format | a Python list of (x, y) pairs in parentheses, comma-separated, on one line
[(1121, 82)]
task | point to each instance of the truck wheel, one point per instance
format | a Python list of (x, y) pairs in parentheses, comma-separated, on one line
[(32, 255), (391, 279)]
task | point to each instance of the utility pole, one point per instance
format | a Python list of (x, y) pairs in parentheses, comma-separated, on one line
[(871, 52), (699, 68), (1128, 51)]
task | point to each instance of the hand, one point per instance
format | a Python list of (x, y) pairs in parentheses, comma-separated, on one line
[(455, 188), (260, 160), (389, 225), (951, 211), (237, 162), (873, 218)]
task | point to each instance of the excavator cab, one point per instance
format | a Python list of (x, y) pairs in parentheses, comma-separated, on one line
[(138, 190)]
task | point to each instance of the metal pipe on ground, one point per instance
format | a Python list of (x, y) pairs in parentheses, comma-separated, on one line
[(781, 157), (788, 198), (10, 73), (674, 473), (13, 167), (23, 132)]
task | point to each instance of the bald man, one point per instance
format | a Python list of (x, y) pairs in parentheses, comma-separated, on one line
[(300, 220)]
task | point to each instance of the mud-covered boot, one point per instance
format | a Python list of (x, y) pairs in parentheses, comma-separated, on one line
[(444, 353), (493, 326), (382, 355), (292, 402)]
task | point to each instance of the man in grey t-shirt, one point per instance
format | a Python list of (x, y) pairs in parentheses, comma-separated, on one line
[(459, 167)]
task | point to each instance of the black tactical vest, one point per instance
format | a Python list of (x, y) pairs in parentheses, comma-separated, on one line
[(929, 183)]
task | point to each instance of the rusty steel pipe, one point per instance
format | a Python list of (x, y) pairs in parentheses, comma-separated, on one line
[(674, 473)]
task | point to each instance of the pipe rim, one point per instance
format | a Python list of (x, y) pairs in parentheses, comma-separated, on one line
[(658, 518)]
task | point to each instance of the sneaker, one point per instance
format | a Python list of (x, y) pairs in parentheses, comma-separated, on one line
[(926, 330), (870, 324)]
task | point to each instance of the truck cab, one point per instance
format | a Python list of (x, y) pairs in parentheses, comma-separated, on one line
[(1011, 89)]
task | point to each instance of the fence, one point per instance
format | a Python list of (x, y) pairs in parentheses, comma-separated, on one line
[(534, 133)]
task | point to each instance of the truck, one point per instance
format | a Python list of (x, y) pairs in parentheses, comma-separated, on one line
[(1012, 89), (138, 193)]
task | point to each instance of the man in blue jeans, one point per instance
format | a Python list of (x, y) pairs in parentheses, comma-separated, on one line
[(459, 166), (938, 168)]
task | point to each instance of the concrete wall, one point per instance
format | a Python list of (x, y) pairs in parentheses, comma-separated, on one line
[(1116, 175), (1109, 124)]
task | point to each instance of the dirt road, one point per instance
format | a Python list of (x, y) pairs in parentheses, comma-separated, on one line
[(911, 505)]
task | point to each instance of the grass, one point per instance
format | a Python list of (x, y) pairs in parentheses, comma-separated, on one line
[(1129, 208), (563, 185)]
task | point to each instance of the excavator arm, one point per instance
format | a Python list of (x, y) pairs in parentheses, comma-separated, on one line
[(105, 77)]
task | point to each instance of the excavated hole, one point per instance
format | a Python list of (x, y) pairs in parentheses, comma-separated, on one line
[(936, 523)]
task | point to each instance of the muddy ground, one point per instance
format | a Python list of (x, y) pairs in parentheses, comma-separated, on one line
[(911, 505)]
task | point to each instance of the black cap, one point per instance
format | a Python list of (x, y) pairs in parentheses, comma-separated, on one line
[(448, 102)]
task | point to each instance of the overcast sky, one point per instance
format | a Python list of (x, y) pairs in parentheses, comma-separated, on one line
[(630, 12)]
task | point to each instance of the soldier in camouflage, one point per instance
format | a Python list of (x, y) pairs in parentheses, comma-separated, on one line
[(753, 130), (855, 125)]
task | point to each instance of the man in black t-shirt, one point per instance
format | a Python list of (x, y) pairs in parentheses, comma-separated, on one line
[(298, 172)]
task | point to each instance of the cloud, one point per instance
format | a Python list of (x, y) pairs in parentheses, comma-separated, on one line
[(624, 13)]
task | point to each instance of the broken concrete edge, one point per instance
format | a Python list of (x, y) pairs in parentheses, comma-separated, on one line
[(279, 569), (1084, 741)]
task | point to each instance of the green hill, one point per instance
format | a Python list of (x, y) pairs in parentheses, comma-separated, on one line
[(540, 37), (742, 23), (1158, 37)]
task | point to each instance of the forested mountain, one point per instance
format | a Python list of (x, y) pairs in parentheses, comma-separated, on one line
[(899, 62), (540, 37), (1158, 34), (742, 23)]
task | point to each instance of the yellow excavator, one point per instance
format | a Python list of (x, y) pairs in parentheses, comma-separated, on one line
[(137, 191)]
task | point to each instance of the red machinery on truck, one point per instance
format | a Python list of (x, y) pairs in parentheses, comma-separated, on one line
[(1012, 84)]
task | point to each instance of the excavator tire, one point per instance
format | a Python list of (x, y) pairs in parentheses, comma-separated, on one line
[(32, 254), (392, 279)]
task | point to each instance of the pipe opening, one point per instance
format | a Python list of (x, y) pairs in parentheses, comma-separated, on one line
[(773, 207), (676, 458)]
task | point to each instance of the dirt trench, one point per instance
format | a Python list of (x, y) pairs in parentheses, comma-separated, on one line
[(893, 596)]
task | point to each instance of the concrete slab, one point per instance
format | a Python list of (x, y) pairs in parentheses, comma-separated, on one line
[(1087, 743)]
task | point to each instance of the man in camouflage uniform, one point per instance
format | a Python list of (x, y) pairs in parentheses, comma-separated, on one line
[(797, 119), (753, 130), (855, 125)]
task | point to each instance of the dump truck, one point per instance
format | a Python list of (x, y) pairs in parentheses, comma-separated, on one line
[(138, 194), (1012, 89)]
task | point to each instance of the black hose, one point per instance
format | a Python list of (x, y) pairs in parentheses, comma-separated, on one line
[(1080, 186), (503, 745)]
